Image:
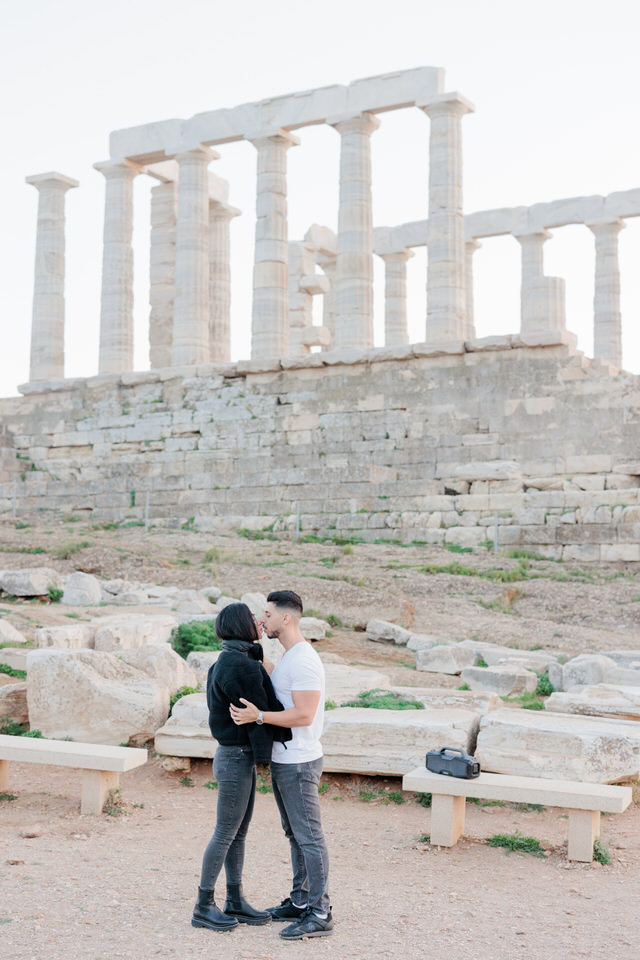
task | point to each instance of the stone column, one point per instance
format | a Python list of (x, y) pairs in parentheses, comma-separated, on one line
[(162, 273), (536, 296), (270, 311), (446, 272), (191, 305), (329, 305), (354, 263), (220, 217), (607, 319), (395, 297), (116, 310), (470, 248), (47, 323)]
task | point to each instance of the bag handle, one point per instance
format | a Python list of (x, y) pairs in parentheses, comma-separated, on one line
[(451, 750)]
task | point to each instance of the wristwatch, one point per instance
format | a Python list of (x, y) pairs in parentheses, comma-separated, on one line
[(259, 719)]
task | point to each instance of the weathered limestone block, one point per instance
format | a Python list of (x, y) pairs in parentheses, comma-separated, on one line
[(81, 590), (34, 582), (160, 662), (435, 698), (488, 470), (424, 641), (9, 634), (494, 654), (391, 742), (14, 657), (224, 601), (211, 593), (92, 696), (539, 744), (76, 636), (13, 702), (130, 598), (257, 603), (344, 682), (113, 588), (199, 661), (130, 632), (449, 659), (622, 676), (506, 680), (192, 601), (585, 669), (312, 628), (382, 631), (624, 658), (602, 700), (186, 733)]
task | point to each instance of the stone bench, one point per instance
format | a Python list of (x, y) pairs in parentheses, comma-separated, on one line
[(101, 765), (584, 802)]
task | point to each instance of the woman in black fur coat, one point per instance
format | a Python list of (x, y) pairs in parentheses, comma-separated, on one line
[(238, 672)]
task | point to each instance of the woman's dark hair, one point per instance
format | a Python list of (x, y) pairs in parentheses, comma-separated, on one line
[(235, 621)]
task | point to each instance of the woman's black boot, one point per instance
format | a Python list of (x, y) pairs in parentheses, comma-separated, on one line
[(236, 906), (206, 914)]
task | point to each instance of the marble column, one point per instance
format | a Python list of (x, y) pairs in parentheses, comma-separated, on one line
[(395, 297), (328, 267), (116, 308), (534, 305), (354, 262), (470, 248), (607, 319), (446, 272), (270, 310), (191, 305), (162, 264), (47, 323), (220, 217)]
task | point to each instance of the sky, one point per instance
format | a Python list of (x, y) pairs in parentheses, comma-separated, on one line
[(555, 83)]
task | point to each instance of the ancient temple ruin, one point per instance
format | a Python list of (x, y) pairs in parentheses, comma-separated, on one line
[(455, 439)]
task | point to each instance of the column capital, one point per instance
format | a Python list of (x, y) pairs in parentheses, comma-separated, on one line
[(200, 153), (273, 135), (363, 123), (471, 245), (540, 236), (222, 211), (446, 103), (53, 180), (611, 226), (118, 169), (396, 256)]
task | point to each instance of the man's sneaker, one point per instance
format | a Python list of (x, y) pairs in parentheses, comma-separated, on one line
[(287, 911), (308, 926)]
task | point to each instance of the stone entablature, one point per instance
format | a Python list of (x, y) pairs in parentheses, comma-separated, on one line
[(429, 443)]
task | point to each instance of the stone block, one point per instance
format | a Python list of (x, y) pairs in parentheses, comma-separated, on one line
[(624, 658), (211, 593), (382, 631), (257, 603), (436, 698), (160, 662), (488, 470), (344, 682), (532, 743), (81, 590), (494, 654), (424, 641), (449, 659), (115, 633), (33, 582), (13, 702), (14, 657), (192, 601), (585, 669), (602, 700), (9, 634), (507, 680), (312, 628), (76, 636), (91, 696), (186, 733), (391, 742), (200, 661)]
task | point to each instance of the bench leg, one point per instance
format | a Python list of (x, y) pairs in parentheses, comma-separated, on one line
[(96, 784), (4, 775), (447, 819), (584, 827)]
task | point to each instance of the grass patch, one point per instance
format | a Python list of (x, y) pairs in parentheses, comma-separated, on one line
[(456, 548), (256, 534), (382, 796), (66, 550), (333, 620), (528, 701), (8, 549), (601, 853), (516, 841), (486, 803), (10, 672), (424, 799), (323, 787), (525, 807), (492, 573), (384, 700), (182, 692), (263, 784), (186, 781), (55, 594), (504, 603), (114, 804), (424, 838), (8, 797), (197, 635), (10, 728), (330, 705), (211, 784), (523, 555)]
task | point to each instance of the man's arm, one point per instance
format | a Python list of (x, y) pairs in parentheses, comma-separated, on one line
[(300, 715)]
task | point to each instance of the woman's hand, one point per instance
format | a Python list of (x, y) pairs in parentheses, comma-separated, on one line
[(246, 714)]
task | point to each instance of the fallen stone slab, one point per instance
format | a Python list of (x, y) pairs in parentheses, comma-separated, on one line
[(76, 636), (9, 634), (383, 631), (162, 664), (201, 661), (391, 742), (424, 641), (445, 659), (81, 590), (13, 702), (622, 676), (186, 733), (493, 654), (313, 628), (623, 658), (211, 593), (506, 680), (117, 633), (14, 657), (435, 698), (132, 598), (191, 601), (344, 682), (92, 696), (602, 700), (551, 745), (583, 670), (34, 582)]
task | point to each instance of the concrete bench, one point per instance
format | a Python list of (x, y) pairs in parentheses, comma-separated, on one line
[(584, 802), (101, 764)]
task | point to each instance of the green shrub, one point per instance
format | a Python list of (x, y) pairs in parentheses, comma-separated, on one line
[(384, 700), (197, 635), (545, 687), (601, 852), (10, 728), (330, 705), (211, 784), (424, 799), (55, 594), (10, 672), (334, 621)]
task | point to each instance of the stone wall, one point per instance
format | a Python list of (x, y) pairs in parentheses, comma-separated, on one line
[(425, 443)]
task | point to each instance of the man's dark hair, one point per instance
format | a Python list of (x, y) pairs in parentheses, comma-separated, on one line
[(235, 621), (287, 599)]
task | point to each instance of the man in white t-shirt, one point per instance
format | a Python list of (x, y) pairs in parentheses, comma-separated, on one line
[(296, 767)]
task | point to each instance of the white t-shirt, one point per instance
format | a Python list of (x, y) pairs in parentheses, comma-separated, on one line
[(299, 668)]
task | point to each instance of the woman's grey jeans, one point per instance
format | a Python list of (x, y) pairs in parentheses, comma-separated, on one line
[(235, 771), (295, 787)]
